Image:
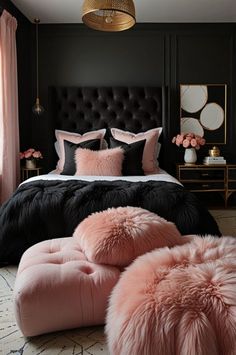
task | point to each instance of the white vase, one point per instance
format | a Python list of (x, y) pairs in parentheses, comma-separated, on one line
[(190, 156), (30, 164)]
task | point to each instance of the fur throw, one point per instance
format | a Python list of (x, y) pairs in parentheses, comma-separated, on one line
[(43, 210)]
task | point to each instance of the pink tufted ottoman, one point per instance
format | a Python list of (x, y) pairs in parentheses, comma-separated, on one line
[(58, 288)]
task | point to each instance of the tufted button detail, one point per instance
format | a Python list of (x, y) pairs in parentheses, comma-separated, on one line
[(105, 106), (86, 269), (89, 105), (72, 105), (97, 115), (80, 114)]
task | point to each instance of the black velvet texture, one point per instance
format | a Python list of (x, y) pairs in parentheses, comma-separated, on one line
[(83, 109), (132, 164), (70, 148), (42, 210)]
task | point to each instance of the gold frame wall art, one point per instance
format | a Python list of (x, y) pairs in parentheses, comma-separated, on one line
[(203, 111)]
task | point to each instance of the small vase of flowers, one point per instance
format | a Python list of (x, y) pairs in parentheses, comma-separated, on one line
[(190, 142), (31, 156)]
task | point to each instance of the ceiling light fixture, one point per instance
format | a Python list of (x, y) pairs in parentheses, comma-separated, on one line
[(37, 108), (109, 15)]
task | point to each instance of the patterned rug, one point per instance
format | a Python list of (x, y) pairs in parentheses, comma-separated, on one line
[(83, 341)]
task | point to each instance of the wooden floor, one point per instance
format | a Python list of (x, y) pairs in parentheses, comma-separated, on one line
[(226, 220)]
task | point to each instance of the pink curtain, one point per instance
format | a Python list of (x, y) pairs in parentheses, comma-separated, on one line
[(9, 126)]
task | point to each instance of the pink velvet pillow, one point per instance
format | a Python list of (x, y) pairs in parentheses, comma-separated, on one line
[(107, 162), (118, 235), (75, 138), (150, 163)]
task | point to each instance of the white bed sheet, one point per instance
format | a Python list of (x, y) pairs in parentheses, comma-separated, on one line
[(161, 176)]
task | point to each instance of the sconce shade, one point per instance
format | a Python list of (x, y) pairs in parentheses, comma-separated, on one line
[(109, 15)]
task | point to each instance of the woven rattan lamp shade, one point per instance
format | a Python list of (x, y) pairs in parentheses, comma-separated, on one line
[(109, 15)]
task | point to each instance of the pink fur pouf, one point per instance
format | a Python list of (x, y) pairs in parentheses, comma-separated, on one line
[(178, 301), (118, 235)]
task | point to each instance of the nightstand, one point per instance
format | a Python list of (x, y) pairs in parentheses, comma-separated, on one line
[(26, 173), (208, 178)]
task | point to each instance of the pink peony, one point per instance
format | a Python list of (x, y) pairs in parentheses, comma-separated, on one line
[(37, 154), (186, 143), (179, 139), (189, 140), (31, 153), (28, 155), (30, 150), (193, 142)]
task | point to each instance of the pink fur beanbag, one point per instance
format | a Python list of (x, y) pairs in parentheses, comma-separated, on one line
[(58, 288), (118, 235), (177, 301)]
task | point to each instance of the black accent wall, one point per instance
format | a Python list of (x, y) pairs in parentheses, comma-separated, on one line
[(147, 55)]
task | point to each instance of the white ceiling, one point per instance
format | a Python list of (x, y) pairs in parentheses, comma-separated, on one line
[(69, 11)]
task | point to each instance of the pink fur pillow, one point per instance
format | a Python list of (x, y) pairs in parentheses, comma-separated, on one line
[(118, 235), (107, 162), (150, 152), (176, 301)]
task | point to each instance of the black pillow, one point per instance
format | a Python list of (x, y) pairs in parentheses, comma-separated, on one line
[(69, 167), (132, 164)]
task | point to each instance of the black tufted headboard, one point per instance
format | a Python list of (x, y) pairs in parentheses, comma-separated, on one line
[(83, 109)]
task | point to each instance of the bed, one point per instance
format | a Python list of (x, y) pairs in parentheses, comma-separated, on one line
[(52, 205)]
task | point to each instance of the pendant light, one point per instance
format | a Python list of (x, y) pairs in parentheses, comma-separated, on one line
[(37, 108), (109, 15)]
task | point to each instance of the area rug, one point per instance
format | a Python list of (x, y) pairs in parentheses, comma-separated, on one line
[(83, 341)]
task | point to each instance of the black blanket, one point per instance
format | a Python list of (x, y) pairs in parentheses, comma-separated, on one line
[(45, 209)]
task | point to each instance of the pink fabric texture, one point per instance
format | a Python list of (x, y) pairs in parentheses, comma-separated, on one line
[(177, 301), (57, 288), (75, 138), (107, 162), (150, 164), (118, 235), (9, 126)]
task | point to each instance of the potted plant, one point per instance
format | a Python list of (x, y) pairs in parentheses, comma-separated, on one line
[(31, 156), (190, 142)]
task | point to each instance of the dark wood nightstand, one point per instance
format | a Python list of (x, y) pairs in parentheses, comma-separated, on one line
[(26, 173), (209, 178)]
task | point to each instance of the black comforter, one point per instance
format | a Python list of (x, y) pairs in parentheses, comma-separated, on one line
[(43, 209)]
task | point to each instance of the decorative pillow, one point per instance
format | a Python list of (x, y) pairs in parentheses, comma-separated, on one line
[(56, 146), (107, 162), (150, 165), (132, 164), (70, 148), (118, 235), (75, 138), (158, 152), (176, 301)]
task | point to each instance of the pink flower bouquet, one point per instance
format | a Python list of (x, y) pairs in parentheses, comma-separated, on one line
[(31, 154), (188, 140)]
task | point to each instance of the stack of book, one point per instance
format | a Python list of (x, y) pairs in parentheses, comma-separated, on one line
[(214, 160)]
